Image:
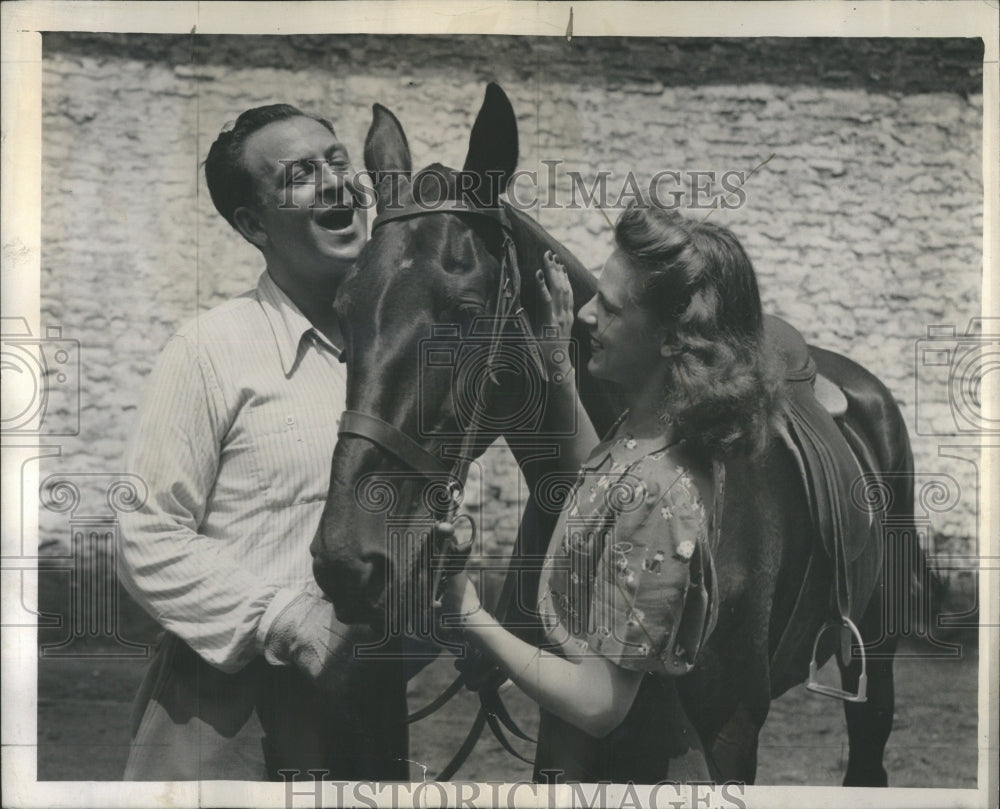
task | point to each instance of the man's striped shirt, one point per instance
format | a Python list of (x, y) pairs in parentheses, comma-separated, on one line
[(234, 442)]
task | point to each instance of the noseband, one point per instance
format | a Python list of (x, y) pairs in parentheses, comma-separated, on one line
[(404, 448)]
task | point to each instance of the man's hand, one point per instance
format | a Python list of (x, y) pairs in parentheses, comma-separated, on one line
[(308, 635)]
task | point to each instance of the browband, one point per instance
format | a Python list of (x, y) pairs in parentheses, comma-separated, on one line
[(412, 209)]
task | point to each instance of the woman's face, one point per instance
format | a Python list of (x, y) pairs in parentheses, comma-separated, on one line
[(625, 338)]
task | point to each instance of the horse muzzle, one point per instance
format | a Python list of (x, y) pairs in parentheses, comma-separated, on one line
[(357, 588)]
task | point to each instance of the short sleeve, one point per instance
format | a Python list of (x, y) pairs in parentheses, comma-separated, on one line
[(644, 573)]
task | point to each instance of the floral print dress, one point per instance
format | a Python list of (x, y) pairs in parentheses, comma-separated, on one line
[(629, 572), (629, 575)]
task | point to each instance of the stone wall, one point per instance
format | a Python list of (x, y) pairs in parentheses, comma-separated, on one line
[(865, 227)]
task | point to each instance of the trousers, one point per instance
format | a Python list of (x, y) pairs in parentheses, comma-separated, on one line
[(191, 721)]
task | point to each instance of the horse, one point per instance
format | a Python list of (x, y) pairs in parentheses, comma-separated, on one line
[(448, 254)]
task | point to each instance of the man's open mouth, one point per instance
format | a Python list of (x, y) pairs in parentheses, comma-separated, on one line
[(336, 218)]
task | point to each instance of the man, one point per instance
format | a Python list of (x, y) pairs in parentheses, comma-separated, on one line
[(234, 441)]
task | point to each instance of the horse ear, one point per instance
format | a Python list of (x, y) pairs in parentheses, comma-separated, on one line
[(387, 152), (493, 142)]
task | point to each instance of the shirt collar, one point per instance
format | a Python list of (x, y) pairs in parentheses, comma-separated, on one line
[(289, 325)]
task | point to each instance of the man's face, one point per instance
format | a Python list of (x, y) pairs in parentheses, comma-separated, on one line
[(311, 226)]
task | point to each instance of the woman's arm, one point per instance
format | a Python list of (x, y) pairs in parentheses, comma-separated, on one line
[(564, 405), (592, 694)]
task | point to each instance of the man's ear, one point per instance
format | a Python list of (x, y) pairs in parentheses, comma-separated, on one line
[(249, 225)]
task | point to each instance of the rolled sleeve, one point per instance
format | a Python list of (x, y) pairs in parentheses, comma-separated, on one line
[(194, 585)]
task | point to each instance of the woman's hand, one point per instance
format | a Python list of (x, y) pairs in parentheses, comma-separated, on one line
[(556, 295), (555, 314), (460, 600), (457, 609)]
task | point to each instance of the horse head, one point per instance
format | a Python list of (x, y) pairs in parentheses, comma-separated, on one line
[(441, 361), (418, 315)]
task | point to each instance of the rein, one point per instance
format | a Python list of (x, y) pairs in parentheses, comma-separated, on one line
[(394, 441)]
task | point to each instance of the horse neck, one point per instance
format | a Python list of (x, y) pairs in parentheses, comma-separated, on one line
[(532, 241)]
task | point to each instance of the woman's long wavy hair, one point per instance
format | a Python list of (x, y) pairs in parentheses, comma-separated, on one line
[(723, 392)]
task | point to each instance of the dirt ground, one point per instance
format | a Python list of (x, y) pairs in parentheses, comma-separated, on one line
[(84, 706)]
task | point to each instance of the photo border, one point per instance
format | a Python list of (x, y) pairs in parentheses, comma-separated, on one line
[(20, 214)]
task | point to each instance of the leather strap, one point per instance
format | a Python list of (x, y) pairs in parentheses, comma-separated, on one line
[(412, 210), (462, 754), (492, 711), (439, 701), (384, 435)]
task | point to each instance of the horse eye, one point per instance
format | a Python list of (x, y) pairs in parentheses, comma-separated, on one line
[(470, 309), (457, 269)]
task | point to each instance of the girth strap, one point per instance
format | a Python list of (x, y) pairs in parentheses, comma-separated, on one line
[(384, 435)]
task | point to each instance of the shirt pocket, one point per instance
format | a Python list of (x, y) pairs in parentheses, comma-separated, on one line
[(290, 456)]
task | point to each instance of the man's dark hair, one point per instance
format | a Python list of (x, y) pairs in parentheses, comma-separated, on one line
[(229, 183)]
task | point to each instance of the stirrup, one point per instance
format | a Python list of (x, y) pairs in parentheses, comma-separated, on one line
[(828, 690)]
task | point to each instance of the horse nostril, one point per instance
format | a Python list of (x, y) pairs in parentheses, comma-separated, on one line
[(346, 585)]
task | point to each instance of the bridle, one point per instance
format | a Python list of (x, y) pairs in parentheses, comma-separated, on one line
[(394, 441), (404, 448)]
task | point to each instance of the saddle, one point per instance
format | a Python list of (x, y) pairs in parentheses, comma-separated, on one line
[(830, 460)]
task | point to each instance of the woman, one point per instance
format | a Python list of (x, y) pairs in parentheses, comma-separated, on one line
[(627, 592)]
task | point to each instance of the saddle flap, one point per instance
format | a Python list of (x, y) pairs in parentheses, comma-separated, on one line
[(829, 468)]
